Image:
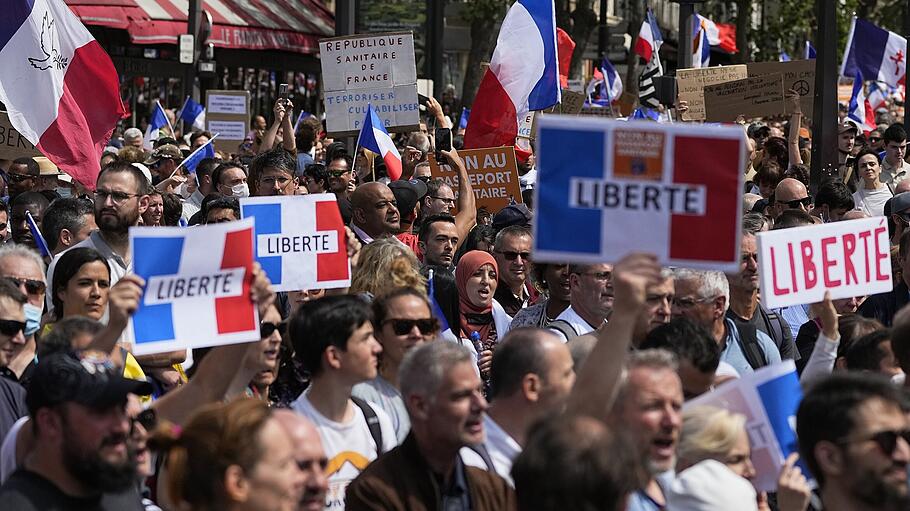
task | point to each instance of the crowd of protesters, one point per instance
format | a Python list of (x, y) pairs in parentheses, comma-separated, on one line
[(456, 372)]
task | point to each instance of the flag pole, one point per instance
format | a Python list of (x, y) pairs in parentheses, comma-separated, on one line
[(169, 125), (194, 154)]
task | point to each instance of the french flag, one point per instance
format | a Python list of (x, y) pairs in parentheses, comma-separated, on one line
[(157, 122), (877, 96), (609, 79), (860, 110), (523, 75), (374, 137), (878, 54), (649, 38), (193, 114), (706, 35), (59, 86), (206, 150)]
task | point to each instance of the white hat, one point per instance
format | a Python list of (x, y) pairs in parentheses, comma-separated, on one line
[(145, 171), (710, 486)]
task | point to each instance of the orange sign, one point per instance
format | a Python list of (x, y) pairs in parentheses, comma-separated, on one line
[(493, 173), (638, 154)]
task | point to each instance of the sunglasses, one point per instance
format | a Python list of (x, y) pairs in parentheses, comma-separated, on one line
[(404, 326), (885, 440), (18, 178), (267, 329), (510, 256), (32, 287), (147, 418), (11, 327), (796, 203)]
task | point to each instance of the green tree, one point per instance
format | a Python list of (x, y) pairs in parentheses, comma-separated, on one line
[(483, 16)]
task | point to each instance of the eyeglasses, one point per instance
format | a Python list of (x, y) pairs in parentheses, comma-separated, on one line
[(116, 197), (447, 202), (32, 286), (796, 203), (338, 173), (404, 326), (601, 276), (510, 255), (885, 440), (270, 181), (425, 179), (147, 418), (18, 178), (687, 303), (267, 329), (11, 327), (874, 139)]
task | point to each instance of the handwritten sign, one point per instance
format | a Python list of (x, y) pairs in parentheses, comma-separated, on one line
[(377, 69), (850, 258), (12, 144), (493, 173), (756, 96), (691, 83), (798, 75), (227, 112)]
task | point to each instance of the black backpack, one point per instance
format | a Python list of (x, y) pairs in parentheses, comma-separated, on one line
[(564, 327), (748, 343), (372, 422)]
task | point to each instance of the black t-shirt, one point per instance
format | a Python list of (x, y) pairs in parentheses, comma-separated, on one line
[(28, 491), (12, 405)]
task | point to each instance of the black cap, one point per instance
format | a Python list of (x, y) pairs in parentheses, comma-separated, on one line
[(408, 193), (87, 378), (513, 214)]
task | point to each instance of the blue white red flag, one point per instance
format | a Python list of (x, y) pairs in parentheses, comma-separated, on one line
[(202, 152), (193, 114), (649, 37), (860, 110), (300, 240), (197, 286), (706, 34), (523, 75), (374, 137), (878, 54), (157, 121), (40, 242), (59, 86)]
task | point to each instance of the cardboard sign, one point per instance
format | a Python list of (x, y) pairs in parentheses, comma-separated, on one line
[(606, 188), (493, 173), (768, 398), (197, 286), (526, 124), (572, 102), (798, 75), (300, 240), (12, 144), (691, 83), (227, 112), (377, 69), (850, 258), (757, 96)]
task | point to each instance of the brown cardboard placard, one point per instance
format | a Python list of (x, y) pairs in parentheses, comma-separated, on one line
[(756, 96), (227, 112), (690, 84), (12, 144), (796, 74), (493, 172)]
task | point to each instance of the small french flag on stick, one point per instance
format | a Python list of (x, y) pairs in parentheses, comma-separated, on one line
[(374, 137)]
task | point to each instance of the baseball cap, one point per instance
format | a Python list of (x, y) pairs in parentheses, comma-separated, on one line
[(513, 214), (846, 126), (166, 151), (88, 378), (710, 485), (408, 193), (900, 205)]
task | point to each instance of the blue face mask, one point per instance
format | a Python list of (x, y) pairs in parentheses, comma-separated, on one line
[(64, 192), (32, 319)]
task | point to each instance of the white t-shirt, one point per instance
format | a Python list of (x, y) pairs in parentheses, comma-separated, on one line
[(502, 448), (872, 202), (348, 446), (578, 323), (380, 392)]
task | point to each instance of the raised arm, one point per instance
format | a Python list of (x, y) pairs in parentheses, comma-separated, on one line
[(466, 217), (288, 140), (795, 120), (268, 140)]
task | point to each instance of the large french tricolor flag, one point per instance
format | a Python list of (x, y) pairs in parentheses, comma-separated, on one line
[(878, 54), (374, 137), (523, 75), (59, 86)]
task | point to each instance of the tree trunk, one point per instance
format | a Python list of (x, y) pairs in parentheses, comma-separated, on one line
[(584, 22), (743, 26), (483, 40)]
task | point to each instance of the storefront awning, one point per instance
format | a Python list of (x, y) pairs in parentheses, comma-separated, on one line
[(289, 25)]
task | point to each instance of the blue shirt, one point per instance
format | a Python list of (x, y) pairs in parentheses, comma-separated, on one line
[(303, 159), (795, 316), (733, 353), (640, 501)]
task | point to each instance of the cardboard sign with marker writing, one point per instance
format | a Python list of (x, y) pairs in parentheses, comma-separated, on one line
[(12, 144), (571, 103), (691, 86), (798, 75), (757, 96), (493, 173)]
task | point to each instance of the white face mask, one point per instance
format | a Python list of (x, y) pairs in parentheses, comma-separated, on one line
[(241, 190)]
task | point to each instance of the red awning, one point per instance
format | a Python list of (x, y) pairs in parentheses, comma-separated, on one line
[(289, 25)]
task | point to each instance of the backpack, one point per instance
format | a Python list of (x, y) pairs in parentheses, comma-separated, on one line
[(372, 422), (748, 343), (564, 327), (484, 454)]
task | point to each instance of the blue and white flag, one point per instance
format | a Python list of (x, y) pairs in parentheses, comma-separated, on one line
[(784, 57), (303, 115), (202, 152), (36, 234), (197, 286), (157, 122), (300, 240), (463, 120), (810, 51), (880, 55), (193, 114)]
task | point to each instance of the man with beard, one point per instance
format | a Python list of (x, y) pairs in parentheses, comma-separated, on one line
[(310, 458), (438, 241), (375, 212), (121, 196), (22, 176), (81, 459), (28, 202), (853, 436)]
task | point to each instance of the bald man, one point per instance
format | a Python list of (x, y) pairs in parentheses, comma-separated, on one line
[(375, 212), (791, 194), (310, 457)]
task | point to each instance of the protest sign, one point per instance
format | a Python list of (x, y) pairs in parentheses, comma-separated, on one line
[(690, 84), (300, 240), (571, 103), (757, 96), (197, 286), (375, 69), (798, 75), (850, 258), (227, 112), (493, 173), (526, 124), (12, 144), (768, 398), (606, 188)]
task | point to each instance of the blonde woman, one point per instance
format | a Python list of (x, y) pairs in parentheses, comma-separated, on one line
[(710, 433), (386, 264)]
